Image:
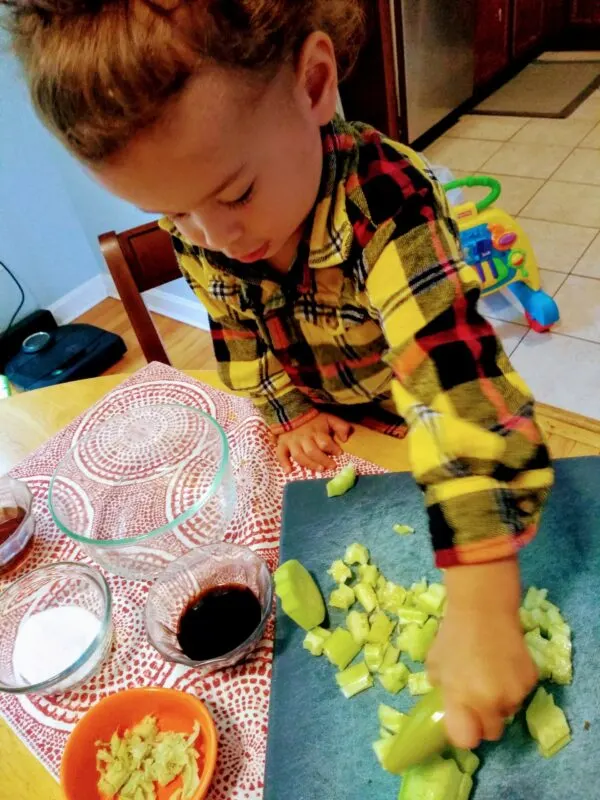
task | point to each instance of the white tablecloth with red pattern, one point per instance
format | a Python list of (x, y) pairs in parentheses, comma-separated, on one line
[(238, 698)]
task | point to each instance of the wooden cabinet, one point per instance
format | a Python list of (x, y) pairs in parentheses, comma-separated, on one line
[(555, 18), (585, 12), (528, 25), (491, 39)]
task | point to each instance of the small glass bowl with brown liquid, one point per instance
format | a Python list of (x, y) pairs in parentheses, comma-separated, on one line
[(16, 522), (209, 608)]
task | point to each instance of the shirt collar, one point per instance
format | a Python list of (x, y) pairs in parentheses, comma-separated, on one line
[(328, 231)]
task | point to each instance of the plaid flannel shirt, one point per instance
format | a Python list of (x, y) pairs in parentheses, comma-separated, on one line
[(378, 304)]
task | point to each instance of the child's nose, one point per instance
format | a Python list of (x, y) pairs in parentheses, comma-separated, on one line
[(221, 234)]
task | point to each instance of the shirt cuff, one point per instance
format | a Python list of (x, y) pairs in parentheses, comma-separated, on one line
[(288, 412), (476, 528)]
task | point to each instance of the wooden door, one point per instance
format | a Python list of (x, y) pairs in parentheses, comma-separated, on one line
[(528, 25), (491, 39)]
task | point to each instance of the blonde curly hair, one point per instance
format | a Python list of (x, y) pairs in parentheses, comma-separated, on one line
[(99, 71)]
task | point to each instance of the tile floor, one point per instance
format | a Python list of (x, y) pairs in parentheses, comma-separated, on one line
[(550, 175)]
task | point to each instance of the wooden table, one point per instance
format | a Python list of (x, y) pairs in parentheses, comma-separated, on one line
[(30, 419)]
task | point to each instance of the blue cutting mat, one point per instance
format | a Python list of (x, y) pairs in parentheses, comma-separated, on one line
[(320, 743)]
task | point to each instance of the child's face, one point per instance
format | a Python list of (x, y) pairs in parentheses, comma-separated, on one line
[(237, 166)]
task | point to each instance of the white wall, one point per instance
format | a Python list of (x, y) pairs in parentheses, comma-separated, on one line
[(51, 214)]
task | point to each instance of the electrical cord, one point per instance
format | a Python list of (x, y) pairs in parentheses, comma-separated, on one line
[(22, 301)]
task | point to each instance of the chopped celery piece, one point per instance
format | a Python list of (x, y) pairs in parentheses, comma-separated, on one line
[(381, 583), (465, 788), (342, 597), (389, 718), (406, 615), (342, 482), (368, 573), (381, 628), (374, 654), (562, 672), (436, 779), (394, 678), (391, 597), (422, 736), (340, 572), (527, 620), (385, 734), (539, 649), (403, 530), (356, 554), (467, 760), (299, 595), (534, 598), (357, 623), (416, 641), (392, 654), (419, 587), (418, 683), (340, 648), (547, 723), (432, 600), (366, 596), (314, 641), (354, 679), (381, 748)]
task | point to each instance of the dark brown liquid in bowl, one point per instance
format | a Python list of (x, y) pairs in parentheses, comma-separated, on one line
[(218, 621), (10, 519)]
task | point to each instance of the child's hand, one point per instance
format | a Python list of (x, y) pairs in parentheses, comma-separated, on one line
[(312, 444), (479, 658)]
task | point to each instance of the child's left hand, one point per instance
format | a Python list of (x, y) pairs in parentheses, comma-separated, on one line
[(480, 659)]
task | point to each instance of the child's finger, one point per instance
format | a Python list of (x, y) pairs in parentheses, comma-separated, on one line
[(328, 445), (283, 456), (313, 451), (341, 428), (304, 460), (463, 725), (492, 725)]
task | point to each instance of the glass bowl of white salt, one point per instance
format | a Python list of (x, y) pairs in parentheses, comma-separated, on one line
[(55, 629)]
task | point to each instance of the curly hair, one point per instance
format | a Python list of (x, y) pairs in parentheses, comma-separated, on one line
[(99, 71)]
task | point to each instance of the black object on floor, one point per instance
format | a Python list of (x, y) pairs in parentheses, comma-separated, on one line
[(66, 353)]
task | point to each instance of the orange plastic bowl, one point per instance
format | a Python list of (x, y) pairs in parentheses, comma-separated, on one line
[(174, 711)]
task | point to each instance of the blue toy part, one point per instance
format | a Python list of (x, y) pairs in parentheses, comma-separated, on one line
[(541, 309)]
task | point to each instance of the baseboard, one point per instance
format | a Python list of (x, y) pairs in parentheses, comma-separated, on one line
[(182, 309), (79, 300)]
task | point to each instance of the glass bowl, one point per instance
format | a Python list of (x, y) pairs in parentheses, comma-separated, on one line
[(144, 487), (15, 499), (205, 568), (55, 629)]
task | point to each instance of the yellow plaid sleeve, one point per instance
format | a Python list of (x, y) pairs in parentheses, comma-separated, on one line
[(246, 365), (476, 450)]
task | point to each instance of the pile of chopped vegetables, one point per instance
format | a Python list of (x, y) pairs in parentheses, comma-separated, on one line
[(131, 765), (386, 621)]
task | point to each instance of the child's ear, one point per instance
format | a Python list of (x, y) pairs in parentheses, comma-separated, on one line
[(317, 77)]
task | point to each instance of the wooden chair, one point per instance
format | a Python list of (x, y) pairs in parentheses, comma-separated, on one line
[(139, 259)]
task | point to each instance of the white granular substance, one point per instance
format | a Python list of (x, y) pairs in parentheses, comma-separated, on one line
[(51, 641)]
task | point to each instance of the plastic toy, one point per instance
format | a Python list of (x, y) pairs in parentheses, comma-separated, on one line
[(500, 250)]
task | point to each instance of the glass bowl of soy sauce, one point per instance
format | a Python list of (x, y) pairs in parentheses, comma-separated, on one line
[(209, 608)]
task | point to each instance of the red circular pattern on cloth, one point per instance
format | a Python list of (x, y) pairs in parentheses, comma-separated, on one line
[(238, 698)]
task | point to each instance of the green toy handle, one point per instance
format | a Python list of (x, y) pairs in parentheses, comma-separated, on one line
[(491, 183)]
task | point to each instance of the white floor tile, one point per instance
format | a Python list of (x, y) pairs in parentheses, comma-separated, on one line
[(526, 160), (561, 371), (495, 129), (557, 246), (589, 109), (568, 132), (465, 154), (516, 192), (573, 203), (593, 138), (579, 303), (509, 333), (503, 306), (582, 166), (589, 264), (570, 55)]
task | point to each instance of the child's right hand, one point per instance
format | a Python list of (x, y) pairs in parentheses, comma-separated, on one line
[(312, 444)]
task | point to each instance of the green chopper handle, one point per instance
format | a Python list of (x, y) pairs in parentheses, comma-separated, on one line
[(422, 736), (491, 183)]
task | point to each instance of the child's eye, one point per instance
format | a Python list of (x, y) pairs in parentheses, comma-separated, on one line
[(242, 200)]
